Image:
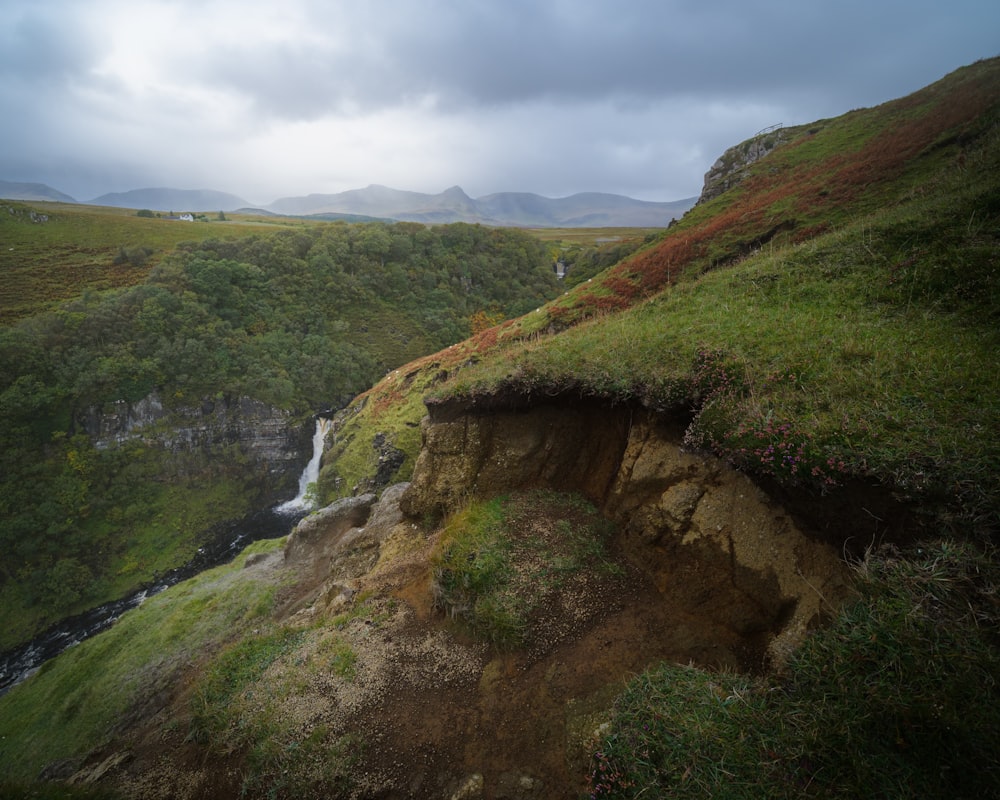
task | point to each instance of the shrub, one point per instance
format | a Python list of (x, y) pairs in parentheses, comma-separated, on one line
[(136, 256)]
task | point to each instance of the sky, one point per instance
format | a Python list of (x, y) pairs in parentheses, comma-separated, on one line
[(277, 99)]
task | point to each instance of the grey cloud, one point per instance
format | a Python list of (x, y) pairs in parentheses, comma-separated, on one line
[(551, 96), (301, 83), (39, 45), (488, 53)]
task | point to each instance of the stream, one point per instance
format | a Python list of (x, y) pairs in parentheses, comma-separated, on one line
[(228, 541)]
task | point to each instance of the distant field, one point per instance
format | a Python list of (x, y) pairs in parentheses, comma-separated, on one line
[(592, 237), (46, 262), (80, 247)]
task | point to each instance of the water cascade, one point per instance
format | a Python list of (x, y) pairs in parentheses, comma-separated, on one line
[(302, 502), (229, 540)]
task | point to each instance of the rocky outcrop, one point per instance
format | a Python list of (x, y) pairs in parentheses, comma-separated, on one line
[(267, 436), (574, 446), (319, 537), (390, 459), (730, 168), (689, 521), (341, 543)]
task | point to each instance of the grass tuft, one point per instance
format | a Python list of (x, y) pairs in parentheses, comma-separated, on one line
[(898, 698), (499, 562)]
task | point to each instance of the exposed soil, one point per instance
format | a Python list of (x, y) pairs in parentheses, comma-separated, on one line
[(708, 570), (436, 713)]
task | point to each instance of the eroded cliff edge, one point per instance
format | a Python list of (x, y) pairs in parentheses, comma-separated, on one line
[(693, 525), (710, 571)]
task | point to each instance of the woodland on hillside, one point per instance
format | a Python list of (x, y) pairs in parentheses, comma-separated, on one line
[(299, 319)]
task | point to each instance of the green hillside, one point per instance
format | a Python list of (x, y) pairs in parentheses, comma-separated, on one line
[(52, 252), (829, 319), (829, 327), (300, 317)]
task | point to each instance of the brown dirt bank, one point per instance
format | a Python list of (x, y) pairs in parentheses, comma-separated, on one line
[(711, 571)]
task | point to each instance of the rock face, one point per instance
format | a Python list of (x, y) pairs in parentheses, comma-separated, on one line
[(684, 518), (730, 168), (267, 436), (562, 446), (318, 538), (339, 544)]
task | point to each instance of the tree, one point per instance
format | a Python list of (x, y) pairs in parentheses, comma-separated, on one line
[(484, 320)]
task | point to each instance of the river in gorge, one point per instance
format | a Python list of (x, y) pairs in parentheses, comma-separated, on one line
[(227, 541)]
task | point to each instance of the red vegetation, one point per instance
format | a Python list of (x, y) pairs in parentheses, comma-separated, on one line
[(784, 196)]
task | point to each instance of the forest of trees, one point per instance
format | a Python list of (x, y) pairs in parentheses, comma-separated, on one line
[(300, 319)]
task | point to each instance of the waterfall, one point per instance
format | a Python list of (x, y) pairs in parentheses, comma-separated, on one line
[(309, 475), (19, 663)]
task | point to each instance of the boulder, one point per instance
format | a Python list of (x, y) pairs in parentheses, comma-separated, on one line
[(316, 539)]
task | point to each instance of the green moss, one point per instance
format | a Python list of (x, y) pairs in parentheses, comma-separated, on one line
[(393, 409), (228, 678), (498, 562)]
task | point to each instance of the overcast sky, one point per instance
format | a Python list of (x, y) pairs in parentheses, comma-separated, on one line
[(272, 99)]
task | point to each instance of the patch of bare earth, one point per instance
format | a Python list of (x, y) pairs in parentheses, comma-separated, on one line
[(430, 711)]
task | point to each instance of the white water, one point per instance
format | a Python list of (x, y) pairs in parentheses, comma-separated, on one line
[(18, 664), (309, 475)]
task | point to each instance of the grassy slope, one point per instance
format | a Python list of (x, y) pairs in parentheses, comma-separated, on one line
[(76, 700), (829, 317), (169, 535)]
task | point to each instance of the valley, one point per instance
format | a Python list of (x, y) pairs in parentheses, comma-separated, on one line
[(714, 515)]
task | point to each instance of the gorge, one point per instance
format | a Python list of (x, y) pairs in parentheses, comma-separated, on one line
[(719, 519), (700, 567), (225, 542)]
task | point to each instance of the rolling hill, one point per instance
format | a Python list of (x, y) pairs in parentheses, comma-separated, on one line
[(11, 190), (172, 200)]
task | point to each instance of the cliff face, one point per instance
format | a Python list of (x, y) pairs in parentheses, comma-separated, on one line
[(730, 168), (272, 442), (685, 520)]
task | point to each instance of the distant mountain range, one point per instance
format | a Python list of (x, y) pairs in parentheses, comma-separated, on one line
[(11, 190), (521, 209), (171, 200)]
